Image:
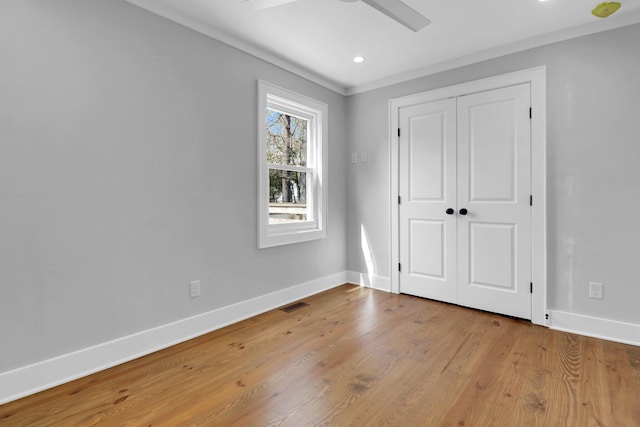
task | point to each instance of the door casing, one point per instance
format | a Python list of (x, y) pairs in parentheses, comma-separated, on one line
[(536, 77)]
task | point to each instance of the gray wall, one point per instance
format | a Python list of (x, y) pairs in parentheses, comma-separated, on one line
[(593, 167), (127, 169)]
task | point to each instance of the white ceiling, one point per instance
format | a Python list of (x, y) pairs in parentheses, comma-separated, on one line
[(318, 38)]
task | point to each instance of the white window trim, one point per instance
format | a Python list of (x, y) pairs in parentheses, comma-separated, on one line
[(270, 235)]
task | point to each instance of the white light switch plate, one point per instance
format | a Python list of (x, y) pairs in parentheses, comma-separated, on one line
[(194, 288)]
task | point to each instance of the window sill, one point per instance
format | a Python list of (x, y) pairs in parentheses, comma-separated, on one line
[(287, 236)]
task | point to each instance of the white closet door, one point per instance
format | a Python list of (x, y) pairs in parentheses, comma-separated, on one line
[(427, 189), (494, 181)]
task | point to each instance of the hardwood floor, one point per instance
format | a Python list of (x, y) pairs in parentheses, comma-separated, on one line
[(357, 357)]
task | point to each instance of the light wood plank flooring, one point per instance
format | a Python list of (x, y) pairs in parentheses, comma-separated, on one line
[(357, 357)]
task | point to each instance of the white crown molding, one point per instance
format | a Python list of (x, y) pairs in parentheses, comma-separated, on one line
[(171, 14), (519, 46), (46, 374)]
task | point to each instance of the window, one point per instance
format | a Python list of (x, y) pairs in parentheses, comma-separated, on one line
[(292, 192)]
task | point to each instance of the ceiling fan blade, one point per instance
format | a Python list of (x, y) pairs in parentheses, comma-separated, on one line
[(265, 4), (402, 13)]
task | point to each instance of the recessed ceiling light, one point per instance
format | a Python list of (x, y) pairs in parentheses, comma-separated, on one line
[(358, 59)]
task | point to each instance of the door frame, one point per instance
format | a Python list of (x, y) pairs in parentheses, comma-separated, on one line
[(536, 77)]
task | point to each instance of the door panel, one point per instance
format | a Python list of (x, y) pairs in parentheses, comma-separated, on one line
[(494, 183), (426, 153), (427, 187), (491, 251), (491, 136), (426, 237)]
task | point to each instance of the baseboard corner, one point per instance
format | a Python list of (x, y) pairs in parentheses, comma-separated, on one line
[(372, 281)]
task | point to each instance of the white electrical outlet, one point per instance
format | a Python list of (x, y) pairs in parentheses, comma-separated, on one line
[(596, 290), (194, 288), (354, 157), (363, 157)]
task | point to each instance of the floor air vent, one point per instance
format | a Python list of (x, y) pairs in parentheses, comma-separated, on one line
[(294, 306)]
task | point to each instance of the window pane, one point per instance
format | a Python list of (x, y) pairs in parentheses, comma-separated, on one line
[(287, 196), (286, 139)]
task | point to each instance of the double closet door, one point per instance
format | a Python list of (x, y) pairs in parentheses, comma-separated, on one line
[(465, 185)]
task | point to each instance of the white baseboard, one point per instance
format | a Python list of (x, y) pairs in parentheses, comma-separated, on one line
[(611, 330), (49, 373), (380, 283)]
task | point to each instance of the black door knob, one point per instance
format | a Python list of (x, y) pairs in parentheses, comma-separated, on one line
[(449, 211), (463, 211)]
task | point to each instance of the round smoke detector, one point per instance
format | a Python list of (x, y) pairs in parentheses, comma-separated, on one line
[(604, 10)]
